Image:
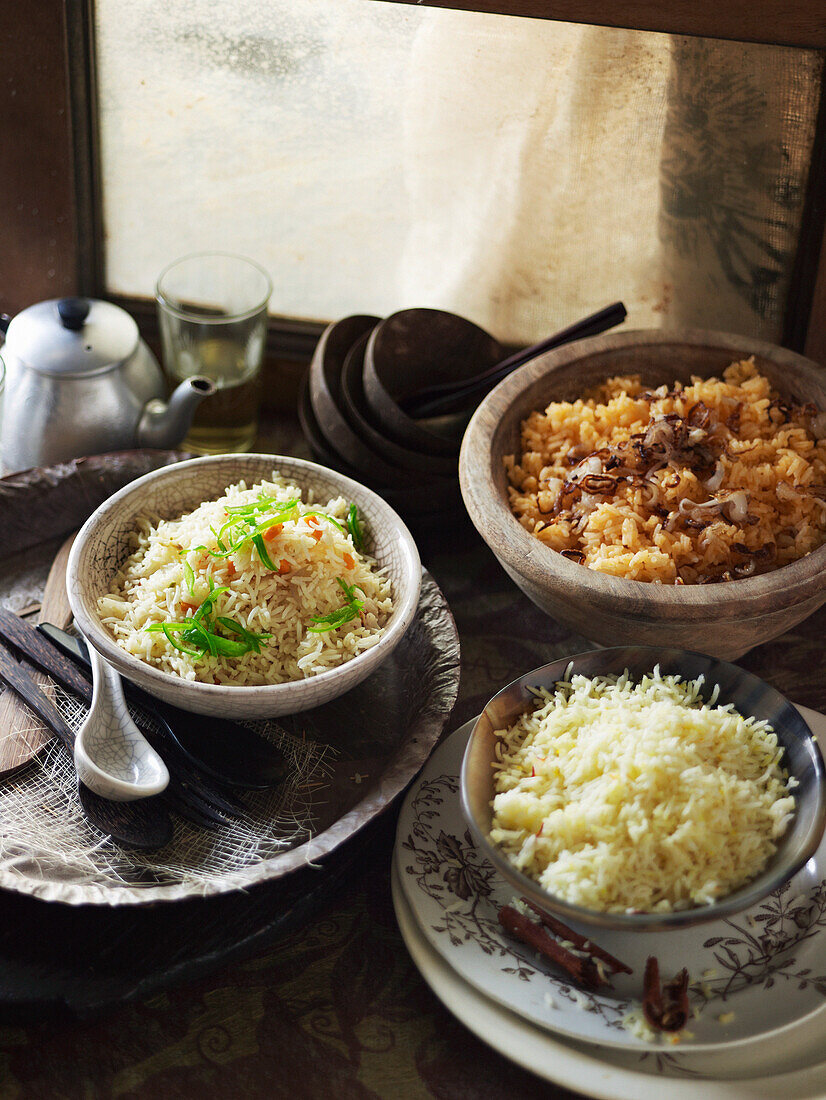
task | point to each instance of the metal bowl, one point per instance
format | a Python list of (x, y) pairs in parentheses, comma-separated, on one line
[(749, 695)]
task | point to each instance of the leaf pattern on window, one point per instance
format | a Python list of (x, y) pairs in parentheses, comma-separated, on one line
[(734, 169)]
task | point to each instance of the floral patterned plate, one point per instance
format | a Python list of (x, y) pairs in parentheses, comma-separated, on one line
[(789, 1065), (760, 972)]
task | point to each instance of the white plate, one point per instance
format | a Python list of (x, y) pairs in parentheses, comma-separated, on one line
[(610, 1074), (764, 972)]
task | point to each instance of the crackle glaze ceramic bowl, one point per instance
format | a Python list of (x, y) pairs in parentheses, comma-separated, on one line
[(103, 544), (750, 696), (724, 619)]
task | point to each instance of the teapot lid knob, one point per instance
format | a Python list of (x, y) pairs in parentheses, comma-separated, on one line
[(73, 312)]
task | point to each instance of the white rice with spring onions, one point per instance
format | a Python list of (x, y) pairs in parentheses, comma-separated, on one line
[(638, 797), (271, 592)]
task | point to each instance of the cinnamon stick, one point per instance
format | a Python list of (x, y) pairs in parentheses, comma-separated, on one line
[(581, 968), (665, 1007), (578, 940)]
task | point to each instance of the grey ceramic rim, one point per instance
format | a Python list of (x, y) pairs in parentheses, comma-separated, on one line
[(749, 694)]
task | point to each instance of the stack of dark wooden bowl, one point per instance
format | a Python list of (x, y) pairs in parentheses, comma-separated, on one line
[(352, 411)]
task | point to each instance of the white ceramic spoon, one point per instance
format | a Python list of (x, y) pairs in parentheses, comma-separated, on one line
[(112, 756)]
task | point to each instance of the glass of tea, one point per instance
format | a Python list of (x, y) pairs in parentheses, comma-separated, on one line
[(212, 312)]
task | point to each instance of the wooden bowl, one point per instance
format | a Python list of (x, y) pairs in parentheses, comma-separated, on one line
[(324, 375), (723, 619), (316, 440), (417, 499), (353, 405), (415, 348), (331, 351)]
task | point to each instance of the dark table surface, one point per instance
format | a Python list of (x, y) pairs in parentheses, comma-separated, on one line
[(335, 1007)]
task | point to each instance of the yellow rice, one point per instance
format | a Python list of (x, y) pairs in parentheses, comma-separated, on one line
[(639, 796), (769, 467)]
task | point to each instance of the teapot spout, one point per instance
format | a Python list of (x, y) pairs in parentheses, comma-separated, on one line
[(165, 425)]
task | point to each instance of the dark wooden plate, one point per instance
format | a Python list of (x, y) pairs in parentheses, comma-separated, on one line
[(57, 958)]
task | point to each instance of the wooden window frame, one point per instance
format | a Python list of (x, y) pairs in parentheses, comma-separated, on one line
[(49, 177)]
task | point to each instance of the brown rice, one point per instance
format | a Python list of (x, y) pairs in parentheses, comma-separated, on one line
[(712, 481)]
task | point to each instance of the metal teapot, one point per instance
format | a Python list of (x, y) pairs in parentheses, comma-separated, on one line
[(79, 381)]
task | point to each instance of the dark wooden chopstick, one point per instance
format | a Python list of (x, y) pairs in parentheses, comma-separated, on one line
[(41, 652), (144, 824), (169, 717), (18, 679), (189, 785)]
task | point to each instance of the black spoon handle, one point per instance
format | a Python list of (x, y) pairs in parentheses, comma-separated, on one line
[(225, 752), (144, 825), (58, 654), (443, 397)]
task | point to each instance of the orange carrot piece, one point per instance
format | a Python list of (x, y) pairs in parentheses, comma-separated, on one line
[(349, 561), (273, 532), (283, 567)]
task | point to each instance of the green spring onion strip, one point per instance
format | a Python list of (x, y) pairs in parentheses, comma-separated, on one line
[(354, 527), (258, 543), (344, 614), (246, 635), (245, 525), (323, 515), (167, 628), (217, 535), (260, 505), (201, 633), (250, 522)]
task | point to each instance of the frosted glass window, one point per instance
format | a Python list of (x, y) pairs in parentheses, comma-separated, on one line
[(375, 156)]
